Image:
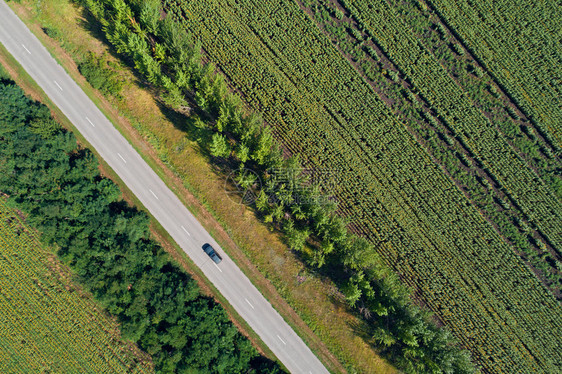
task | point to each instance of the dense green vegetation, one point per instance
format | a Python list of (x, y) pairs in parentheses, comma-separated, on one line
[(47, 323), (455, 238), (58, 186), (405, 330), (255, 44), (100, 74), (422, 224), (455, 157), (448, 236), (531, 194)]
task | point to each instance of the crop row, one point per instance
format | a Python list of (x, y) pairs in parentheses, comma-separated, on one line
[(534, 198), (433, 134), (485, 93), (387, 183), (519, 43), (540, 150)]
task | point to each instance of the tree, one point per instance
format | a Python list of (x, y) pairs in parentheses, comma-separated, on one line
[(222, 119), (150, 15), (204, 88), (117, 34), (253, 123), (246, 179), (278, 211), (351, 291), (262, 146), (384, 337), (172, 95), (221, 96), (219, 146), (297, 211), (176, 41), (296, 238), (45, 128), (262, 202), (336, 229), (15, 108), (243, 153), (358, 253)]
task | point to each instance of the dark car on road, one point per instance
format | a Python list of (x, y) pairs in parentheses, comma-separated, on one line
[(211, 252)]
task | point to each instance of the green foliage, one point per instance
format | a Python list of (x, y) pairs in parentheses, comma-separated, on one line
[(357, 253), (338, 14), (351, 291), (262, 201), (316, 218), (219, 146), (262, 146), (208, 97), (296, 238), (108, 245), (45, 128), (243, 153), (100, 75), (52, 32), (16, 110), (428, 243), (150, 15)]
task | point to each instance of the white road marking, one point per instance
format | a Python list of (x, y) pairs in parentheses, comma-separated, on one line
[(281, 340), (153, 194), (217, 267), (183, 228), (118, 154), (249, 303), (87, 119), (58, 85), (24, 47)]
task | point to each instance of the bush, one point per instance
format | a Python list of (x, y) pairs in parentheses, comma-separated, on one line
[(100, 75)]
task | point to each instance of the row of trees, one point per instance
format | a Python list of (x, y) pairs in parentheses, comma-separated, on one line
[(158, 48), (108, 245)]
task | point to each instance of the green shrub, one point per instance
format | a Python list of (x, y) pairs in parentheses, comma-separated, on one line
[(100, 75)]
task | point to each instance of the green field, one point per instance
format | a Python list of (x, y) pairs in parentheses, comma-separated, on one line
[(454, 153), (48, 324), (448, 166), (459, 197), (522, 50), (537, 199)]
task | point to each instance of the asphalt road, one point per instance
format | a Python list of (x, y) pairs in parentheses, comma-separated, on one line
[(153, 193)]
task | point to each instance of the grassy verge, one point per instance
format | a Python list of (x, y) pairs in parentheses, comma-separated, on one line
[(314, 309)]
